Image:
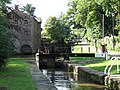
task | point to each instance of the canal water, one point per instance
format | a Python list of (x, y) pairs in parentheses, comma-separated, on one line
[(64, 80)]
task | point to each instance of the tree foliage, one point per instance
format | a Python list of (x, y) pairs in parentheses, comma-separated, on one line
[(6, 45), (3, 4), (87, 15), (56, 30), (29, 9)]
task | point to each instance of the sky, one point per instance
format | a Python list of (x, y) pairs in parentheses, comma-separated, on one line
[(45, 8)]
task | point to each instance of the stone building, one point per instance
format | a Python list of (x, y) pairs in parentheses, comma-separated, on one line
[(26, 31)]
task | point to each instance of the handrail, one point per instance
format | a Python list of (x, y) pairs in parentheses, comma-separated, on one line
[(111, 63), (105, 70), (111, 66)]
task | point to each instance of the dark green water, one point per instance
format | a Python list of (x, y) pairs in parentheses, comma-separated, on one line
[(68, 81)]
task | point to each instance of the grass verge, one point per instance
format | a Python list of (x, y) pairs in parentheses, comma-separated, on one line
[(85, 58), (99, 65), (16, 75)]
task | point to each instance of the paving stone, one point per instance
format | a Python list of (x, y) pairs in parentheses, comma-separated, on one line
[(41, 82), (46, 87)]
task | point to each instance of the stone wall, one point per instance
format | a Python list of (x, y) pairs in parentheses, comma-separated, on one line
[(37, 35), (113, 82), (25, 31), (90, 74)]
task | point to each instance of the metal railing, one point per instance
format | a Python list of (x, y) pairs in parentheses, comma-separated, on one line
[(110, 65)]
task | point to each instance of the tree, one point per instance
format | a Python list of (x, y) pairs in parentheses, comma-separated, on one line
[(58, 33), (29, 9), (112, 7), (6, 45), (55, 29), (86, 16), (3, 4)]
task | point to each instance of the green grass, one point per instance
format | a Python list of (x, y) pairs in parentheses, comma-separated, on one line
[(85, 58), (16, 75), (99, 65)]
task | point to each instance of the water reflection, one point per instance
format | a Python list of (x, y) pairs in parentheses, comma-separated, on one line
[(68, 81)]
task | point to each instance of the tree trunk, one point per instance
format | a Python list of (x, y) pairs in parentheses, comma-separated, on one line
[(96, 48)]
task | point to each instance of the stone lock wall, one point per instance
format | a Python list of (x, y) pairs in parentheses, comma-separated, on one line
[(90, 74)]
